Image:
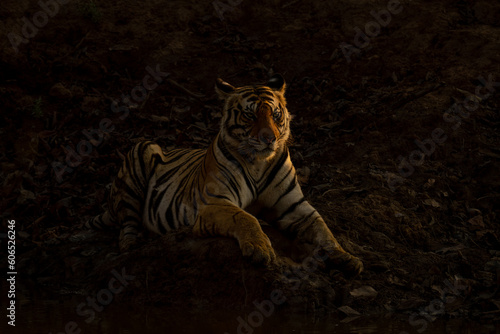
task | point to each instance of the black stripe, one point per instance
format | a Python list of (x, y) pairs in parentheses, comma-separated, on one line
[(292, 225), (241, 90), (217, 196), (154, 208), (233, 188), (284, 178), (225, 152), (169, 217), (142, 149), (291, 208), (224, 172), (129, 206), (186, 219), (155, 200), (131, 169), (230, 115), (253, 99), (247, 94), (164, 177), (94, 223), (203, 199), (177, 194), (195, 201), (266, 98), (124, 186), (185, 170), (130, 218), (262, 90), (291, 186), (236, 126), (277, 167)]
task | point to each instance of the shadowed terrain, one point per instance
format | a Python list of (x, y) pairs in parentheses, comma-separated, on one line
[(395, 136)]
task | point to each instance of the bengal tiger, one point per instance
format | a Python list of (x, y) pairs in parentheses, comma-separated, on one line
[(219, 191)]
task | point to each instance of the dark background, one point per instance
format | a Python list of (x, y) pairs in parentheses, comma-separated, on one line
[(355, 119)]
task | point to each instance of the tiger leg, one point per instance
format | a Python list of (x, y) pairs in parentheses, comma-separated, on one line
[(226, 219), (307, 225), (125, 207), (128, 229), (337, 256), (102, 221)]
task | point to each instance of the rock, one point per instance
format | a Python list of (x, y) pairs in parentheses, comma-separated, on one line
[(91, 103), (431, 202), (60, 92), (24, 196), (364, 292), (493, 265)]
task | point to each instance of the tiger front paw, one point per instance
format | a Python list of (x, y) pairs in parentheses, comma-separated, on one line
[(260, 251), (350, 265)]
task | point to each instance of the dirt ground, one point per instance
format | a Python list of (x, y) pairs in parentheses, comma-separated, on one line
[(396, 136)]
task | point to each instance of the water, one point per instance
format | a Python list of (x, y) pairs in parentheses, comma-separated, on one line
[(38, 313)]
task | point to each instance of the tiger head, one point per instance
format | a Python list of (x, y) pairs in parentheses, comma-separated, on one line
[(255, 122)]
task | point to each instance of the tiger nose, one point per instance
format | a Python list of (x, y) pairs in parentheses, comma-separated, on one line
[(267, 136)]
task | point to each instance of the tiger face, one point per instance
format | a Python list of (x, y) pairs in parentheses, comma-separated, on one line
[(256, 122)]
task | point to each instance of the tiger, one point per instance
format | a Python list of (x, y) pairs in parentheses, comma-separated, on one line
[(245, 173)]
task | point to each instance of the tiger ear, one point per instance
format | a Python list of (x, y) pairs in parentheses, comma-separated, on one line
[(223, 89), (276, 82)]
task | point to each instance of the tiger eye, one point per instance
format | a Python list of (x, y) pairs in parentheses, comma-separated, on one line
[(249, 115), (277, 114)]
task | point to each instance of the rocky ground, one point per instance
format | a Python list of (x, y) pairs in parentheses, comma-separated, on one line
[(395, 136)]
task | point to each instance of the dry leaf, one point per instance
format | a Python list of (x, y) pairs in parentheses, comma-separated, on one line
[(25, 195), (451, 249), (365, 292), (432, 203), (477, 221), (156, 118), (348, 311)]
